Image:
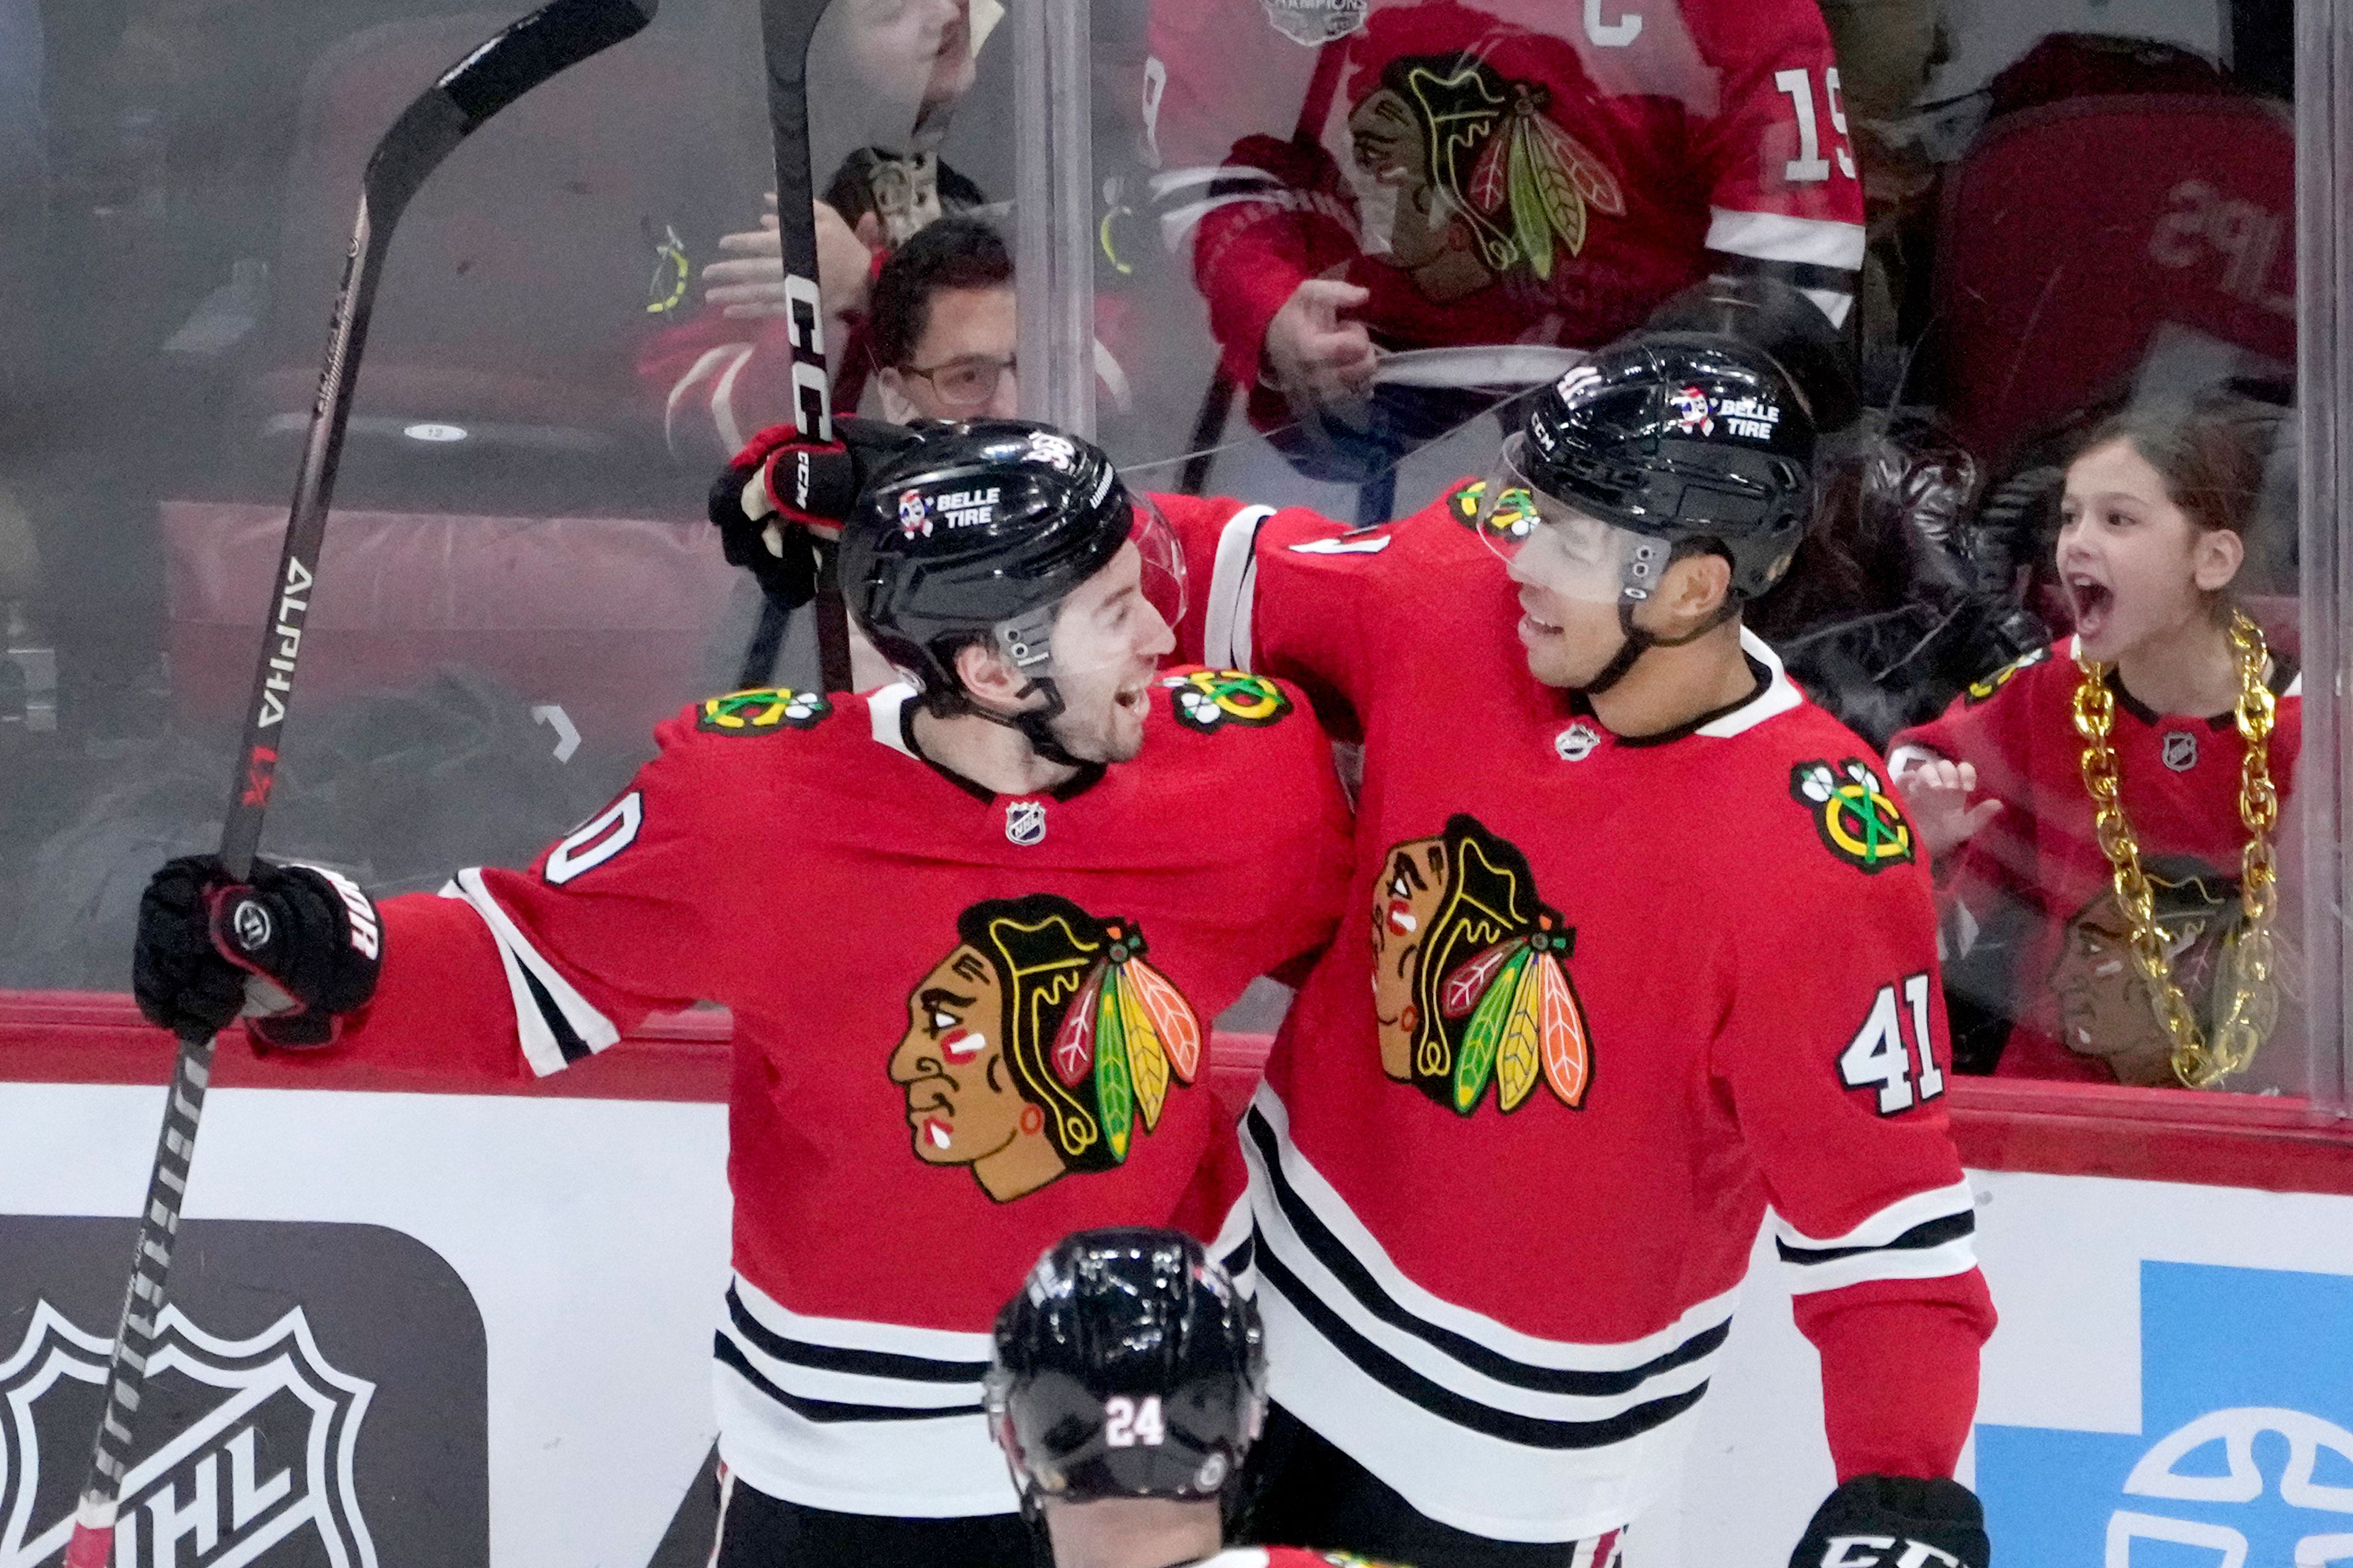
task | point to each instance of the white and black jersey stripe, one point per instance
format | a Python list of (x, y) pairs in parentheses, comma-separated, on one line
[(1818, 256), (556, 1024), (1928, 1236), (1477, 1425), (855, 1416), (1233, 586)]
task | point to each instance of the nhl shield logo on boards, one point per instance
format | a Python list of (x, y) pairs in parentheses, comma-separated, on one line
[(260, 1473), (2179, 750), (1025, 822)]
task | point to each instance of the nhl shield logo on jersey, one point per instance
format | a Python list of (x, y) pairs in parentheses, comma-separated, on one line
[(1858, 820), (1471, 982), (1042, 1044), (1206, 699), (261, 1472), (1983, 688), (763, 709), (1025, 822), (1577, 743)]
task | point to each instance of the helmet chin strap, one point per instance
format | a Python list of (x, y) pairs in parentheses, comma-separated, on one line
[(1637, 642), (1025, 641)]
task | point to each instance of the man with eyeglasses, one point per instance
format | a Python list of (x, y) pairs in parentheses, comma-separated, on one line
[(942, 321)]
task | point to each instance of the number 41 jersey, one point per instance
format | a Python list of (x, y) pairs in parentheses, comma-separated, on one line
[(966, 1024), (1602, 1004)]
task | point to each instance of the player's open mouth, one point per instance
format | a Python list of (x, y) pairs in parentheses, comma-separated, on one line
[(1533, 625), (2093, 603)]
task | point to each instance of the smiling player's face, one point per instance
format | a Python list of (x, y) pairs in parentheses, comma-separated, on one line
[(962, 1105)]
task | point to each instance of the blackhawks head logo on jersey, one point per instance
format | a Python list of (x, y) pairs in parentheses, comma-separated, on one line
[(1463, 119), (1470, 980), (1042, 1044), (2103, 1010)]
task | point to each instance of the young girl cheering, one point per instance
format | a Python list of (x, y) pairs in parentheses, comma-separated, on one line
[(2116, 794)]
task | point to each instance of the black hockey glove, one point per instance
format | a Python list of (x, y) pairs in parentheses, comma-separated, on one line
[(804, 489), (1895, 1521), (311, 933)]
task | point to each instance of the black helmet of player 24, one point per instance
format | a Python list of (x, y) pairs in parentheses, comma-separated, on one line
[(977, 532), (1670, 444), (1128, 1366)]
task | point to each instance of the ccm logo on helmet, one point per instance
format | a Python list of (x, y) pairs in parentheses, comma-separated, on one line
[(365, 938)]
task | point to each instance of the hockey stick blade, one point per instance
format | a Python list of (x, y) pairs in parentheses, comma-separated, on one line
[(785, 29), (549, 40)]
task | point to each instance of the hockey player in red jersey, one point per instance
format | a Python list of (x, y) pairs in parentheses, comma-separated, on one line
[(972, 951), (2198, 723), (1494, 175), (1649, 948), (1126, 1383)]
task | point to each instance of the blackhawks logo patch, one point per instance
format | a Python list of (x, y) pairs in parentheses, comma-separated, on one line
[(761, 710), (1471, 981), (1514, 517), (1042, 1044), (1206, 699), (1981, 689), (1856, 818)]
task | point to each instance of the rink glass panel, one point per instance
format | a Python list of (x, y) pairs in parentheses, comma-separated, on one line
[(519, 582), (2092, 209), (2024, 226)]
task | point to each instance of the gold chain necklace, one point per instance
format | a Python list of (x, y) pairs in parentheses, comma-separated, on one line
[(2254, 1002)]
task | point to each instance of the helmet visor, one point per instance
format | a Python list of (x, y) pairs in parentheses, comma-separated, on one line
[(1155, 537), (1119, 623), (1553, 546)]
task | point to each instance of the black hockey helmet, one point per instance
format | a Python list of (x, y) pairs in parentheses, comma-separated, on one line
[(1128, 1366), (1696, 440), (977, 531), (1787, 325)]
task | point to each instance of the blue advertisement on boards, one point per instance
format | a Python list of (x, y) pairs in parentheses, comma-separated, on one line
[(2244, 1459)]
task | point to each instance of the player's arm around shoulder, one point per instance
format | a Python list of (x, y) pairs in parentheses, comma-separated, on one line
[(1272, 762), (1286, 591)]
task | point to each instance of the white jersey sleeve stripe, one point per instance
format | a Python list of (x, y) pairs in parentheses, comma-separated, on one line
[(1777, 237), (1889, 1225), (555, 1024), (1233, 582), (1928, 1235)]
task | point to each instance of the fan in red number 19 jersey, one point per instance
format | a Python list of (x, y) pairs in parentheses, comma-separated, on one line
[(1644, 948)]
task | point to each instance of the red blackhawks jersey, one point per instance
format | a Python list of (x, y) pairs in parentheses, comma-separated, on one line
[(965, 1026), (1509, 173), (1602, 1003), (2079, 1004)]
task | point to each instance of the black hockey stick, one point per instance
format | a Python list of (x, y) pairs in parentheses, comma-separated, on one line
[(549, 40), (785, 29)]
